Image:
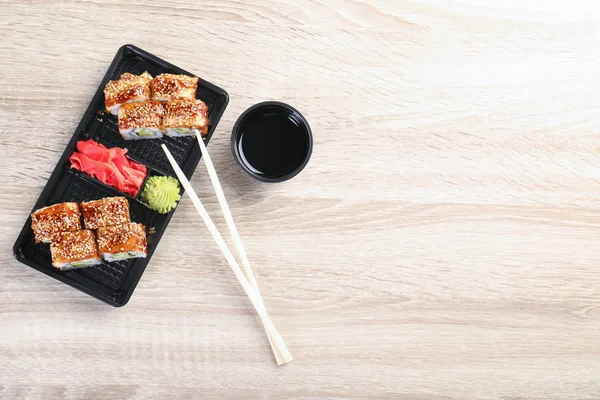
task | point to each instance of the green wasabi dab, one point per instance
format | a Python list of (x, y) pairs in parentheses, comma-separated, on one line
[(161, 193)]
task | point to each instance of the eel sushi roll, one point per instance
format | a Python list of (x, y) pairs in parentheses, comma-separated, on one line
[(50, 222), (165, 87), (75, 250), (141, 120), (108, 211), (185, 118), (121, 242), (129, 88)]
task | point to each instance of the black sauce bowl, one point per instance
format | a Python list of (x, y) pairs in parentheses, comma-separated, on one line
[(271, 141)]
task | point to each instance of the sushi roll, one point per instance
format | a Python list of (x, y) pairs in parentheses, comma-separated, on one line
[(50, 222), (75, 250), (121, 242), (105, 212), (128, 89), (185, 118), (165, 87), (141, 120), (127, 76)]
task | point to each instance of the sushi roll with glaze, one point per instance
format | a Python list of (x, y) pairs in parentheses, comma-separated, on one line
[(129, 88), (165, 87), (141, 120), (75, 250), (50, 222), (121, 242), (185, 118), (105, 212), (127, 76)]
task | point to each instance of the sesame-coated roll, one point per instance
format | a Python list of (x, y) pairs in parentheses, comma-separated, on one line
[(74, 250), (129, 88), (185, 118), (167, 87), (50, 222), (141, 120), (121, 242), (105, 212)]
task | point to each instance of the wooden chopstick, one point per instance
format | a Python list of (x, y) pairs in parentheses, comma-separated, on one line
[(212, 173), (252, 295)]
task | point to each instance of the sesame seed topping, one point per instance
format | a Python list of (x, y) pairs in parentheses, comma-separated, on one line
[(105, 212), (141, 115), (74, 246), (170, 87), (129, 88), (186, 114), (50, 222), (119, 238)]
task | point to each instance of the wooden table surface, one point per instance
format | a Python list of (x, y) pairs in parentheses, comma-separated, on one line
[(441, 244)]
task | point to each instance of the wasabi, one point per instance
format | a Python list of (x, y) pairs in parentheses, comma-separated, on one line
[(161, 193)]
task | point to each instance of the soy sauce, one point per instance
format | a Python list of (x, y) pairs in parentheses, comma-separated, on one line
[(272, 143)]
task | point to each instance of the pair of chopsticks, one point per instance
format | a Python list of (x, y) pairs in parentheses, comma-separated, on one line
[(248, 282)]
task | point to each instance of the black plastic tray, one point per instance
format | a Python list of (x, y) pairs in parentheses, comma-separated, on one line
[(114, 282)]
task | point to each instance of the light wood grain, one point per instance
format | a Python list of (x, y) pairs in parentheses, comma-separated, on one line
[(441, 244)]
